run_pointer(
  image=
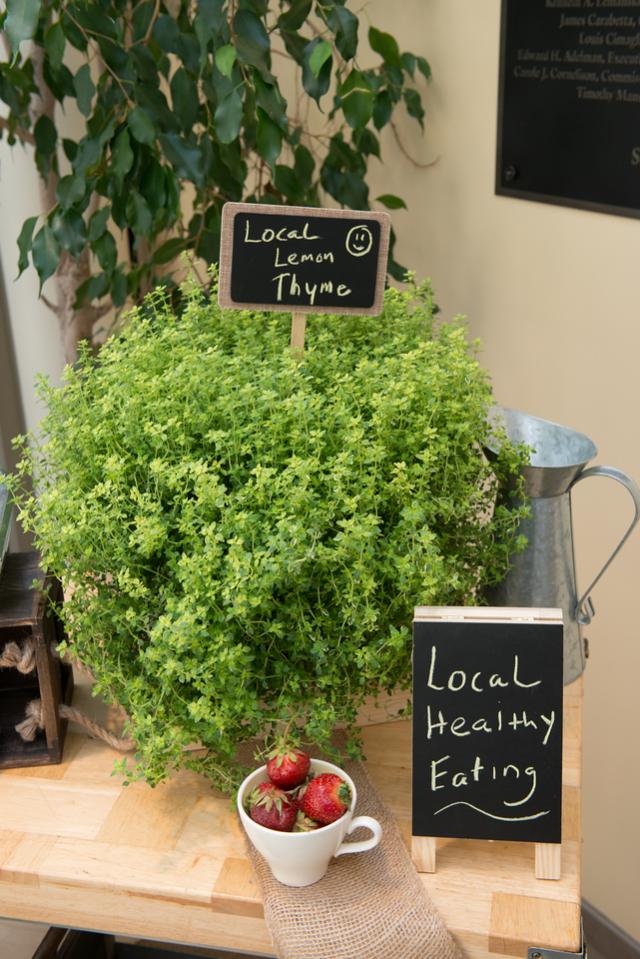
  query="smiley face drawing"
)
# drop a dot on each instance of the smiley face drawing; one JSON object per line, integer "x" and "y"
{"x": 359, "y": 240}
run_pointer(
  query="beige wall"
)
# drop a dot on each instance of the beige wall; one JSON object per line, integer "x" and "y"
{"x": 554, "y": 294}
{"x": 34, "y": 327}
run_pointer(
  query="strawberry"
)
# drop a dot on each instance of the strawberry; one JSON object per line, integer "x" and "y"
{"x": 287, "y": 767}
{"x": 326, "y": 798}
{"x": 270, "y": 807}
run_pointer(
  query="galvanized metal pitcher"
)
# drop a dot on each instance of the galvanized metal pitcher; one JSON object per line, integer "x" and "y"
{"x": 544, "y": 574}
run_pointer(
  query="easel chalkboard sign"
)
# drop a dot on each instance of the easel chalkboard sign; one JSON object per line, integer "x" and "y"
{"x": 487, "y": 729}
{"x": 302, "y": 260}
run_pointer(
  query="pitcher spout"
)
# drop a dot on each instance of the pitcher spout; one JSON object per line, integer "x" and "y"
{"x": 558, "y": 453}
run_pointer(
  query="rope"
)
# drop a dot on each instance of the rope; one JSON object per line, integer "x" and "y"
{"x": 29, "y": 727}
{"x": 23, "y": 659}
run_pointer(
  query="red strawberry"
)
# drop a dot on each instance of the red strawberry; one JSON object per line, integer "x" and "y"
{"x": 326, "y": 798}
{"x": 287, "y": 767}
{"x": 269, "y": 807}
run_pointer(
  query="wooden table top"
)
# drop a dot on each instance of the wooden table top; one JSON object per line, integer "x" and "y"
{"x": 79, "y": 849}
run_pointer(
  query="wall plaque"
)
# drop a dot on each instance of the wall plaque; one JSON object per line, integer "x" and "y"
{"x": 569, "y": 103}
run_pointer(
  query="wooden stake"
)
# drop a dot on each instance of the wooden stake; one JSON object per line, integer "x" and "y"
{"x": 548, "y": 860}
{"x": 298, "y": 326}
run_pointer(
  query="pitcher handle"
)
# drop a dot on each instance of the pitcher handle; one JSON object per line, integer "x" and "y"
{"x": 584, "y": 607}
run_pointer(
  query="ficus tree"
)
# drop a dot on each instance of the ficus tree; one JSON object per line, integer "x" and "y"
{"x": 182, "y": 109}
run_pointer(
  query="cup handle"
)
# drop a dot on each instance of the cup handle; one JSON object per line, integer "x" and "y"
{"x": 369, "y": 823}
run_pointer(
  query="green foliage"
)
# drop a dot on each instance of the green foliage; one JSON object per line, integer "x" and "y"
{"x": 247, "y": 535}
{"x": 190, "y": 99}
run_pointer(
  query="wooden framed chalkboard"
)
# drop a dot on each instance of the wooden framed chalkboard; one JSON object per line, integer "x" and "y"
{"x": 569, "y": 103}
{"x": 303, "y": 259}
{"x": 487, "y": 723}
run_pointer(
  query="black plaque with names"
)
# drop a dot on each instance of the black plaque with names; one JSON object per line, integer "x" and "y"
{"x": 487, "y": 730}
{"x": 569, "y": 103}
{"x": 303, "y": 259}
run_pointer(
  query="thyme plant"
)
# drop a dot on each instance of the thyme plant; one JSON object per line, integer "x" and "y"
{"x": 247, "y": 535}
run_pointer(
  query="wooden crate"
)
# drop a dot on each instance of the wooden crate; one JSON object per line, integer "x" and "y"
{"x": 26, "y": 614}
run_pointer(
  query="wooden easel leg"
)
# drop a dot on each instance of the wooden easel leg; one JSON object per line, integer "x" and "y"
{"x": 423, "y": 853}
{"x": 548, "y": 860}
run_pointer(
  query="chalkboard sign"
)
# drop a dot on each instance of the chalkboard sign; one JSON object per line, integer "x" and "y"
{"x": 303, "y": 259}
{"x": 487, "y": 724}
{"x": 569, "y": 114}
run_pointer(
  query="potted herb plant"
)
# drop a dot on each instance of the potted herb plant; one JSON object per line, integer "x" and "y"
{"x": 247, "y": 535}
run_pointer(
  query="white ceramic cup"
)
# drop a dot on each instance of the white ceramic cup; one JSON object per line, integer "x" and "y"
{"x": 302, "y": 858}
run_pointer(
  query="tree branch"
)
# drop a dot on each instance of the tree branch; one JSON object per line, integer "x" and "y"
{"x": 54, "y": 307}
{"x": 405, "y": 152}
{"x": 24, "y": 135}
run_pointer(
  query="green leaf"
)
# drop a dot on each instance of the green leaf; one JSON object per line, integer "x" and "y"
{"x": 304, "y": 165}
{"x": 386, "y": 46}
{"x": 141, "y": 18}
{"x": 225, "y": 59}
{"x": 392, "y": 202}
{"x": 45, "y": 253}
{"x": 141, "y": 126}
{"x": 287, "y": 183}
{"x": 345, "y": 25}
{"x": 70, "y": 148}
{"x": 424, "y": 67}
{"x": 92, "y": 289}
{"x": 54, "y": 44}
{"x": 24, "y": 243}
{"x": 97, "y": 22}
{"x": 356, "y": 100}
{"x": 184, "y": 97}
{"x": 46, "y": 135}
{"x": 316, "y": 87}
{"x": 212, "y": 14}
{"x": 70, "y": 190}
{"x": 186, "y": 158}
{"x": 121, "y": 155}
{"x": 138, "y": 214}
{"x": 228, "y": 117}
{"x": 169, "y": 250}
{"x": 382, "y": 108}
{"x": 367, "y": 142}
{"x": 166, "y": 33}
{"x": 74, "y": 35}
{"x": 408, "y": 63}
{"x": 70, "y": 231}
{"x": 85, "y": 90}
{"x": 210, "y": 25}
{"x": 21, "y": 21}
{"x": 106, "y": 250}
{"x": 252, "y": 41}
{"x": 119, "y": 289}
{"x": 413, "y": 104}
{"x": 98, "y": 223}
{"x": 295, "y": 16}
{"x": 271, "y": 100}
{"x": 319, "y": 56}
{"x": 268, "y": 138}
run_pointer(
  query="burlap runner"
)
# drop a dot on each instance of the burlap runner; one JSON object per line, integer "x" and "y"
{"x": 371, "y": 905}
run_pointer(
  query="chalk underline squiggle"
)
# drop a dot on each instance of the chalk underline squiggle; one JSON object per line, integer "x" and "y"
{"x": 461, "y": 802}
